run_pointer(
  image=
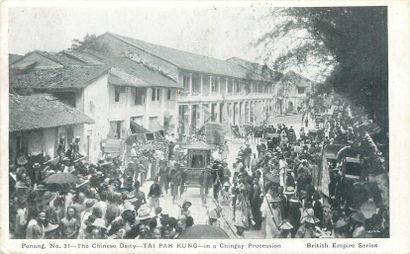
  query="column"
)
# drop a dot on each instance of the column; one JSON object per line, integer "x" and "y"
{"x": 210, "y": 85}
{"x": 189, "y": 118}
{"x": 219, "y": 85}
{"x": 233, "y": 86}
{"x": 218, "y": 112}
{"x": 162, "y": 95}
{"x": 201, "y": 110}
{"x": 190, "y": 84}
{"x": 147, "y": 107}
{"x": 227, "y": 83}
{"x": 202, "y": 85}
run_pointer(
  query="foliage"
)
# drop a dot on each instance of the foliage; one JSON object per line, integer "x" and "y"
{"x": 351, "y": 40}
{"x": 89, "y": 42}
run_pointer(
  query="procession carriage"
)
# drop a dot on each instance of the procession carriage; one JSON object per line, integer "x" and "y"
{"x": 197, "y": 159}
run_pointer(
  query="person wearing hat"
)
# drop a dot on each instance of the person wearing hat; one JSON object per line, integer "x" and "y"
{"x": 226, "y": 195}
{"x": 145, "y": 222}
{"x": 307, "y": 229}
{"x": 184, "y": 211}
{"x": 214, "y": 215}
{"x": 286, "y": 229}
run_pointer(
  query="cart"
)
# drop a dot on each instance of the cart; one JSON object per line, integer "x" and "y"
{"x": 197, "y": 160}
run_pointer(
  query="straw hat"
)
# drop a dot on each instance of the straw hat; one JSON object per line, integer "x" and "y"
{"x": 186, "y": 202}
{"x": 226, "y": 184}
{"x": 50, "y": 227}
{"x": 41, "y": 187}
{"x": 286, "y": 225}
{"x": 144, "y": 212}
{"x": 340, "y": 223}
{"x": 290, "y": 190}
{"x": 131, "y": 198}
{"x": 128, "y": 207}
{"x": 36, "y": 165}
{"x": 311, "y": 220}
{"x": 21, "y": 185}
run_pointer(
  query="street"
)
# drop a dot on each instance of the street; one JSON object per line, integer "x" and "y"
{"x": 192, "y": 194}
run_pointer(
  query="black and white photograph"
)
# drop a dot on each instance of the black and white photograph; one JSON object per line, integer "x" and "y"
{"x": 198, "y": 122}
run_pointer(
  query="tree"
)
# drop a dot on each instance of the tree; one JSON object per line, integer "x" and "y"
{"x": 89, "y": 42}
{"x": 350, "y": 40}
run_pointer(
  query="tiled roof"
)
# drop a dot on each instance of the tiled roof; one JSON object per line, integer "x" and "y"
{"x": 40, "y": 111}
{"x": 61, "y": 78}
{"x": 14, "y": 57}
{"x": 186, "y": 60}
{"x": 124, "y": 71}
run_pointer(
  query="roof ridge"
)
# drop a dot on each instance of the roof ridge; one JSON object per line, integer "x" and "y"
{"x": 159, "y": 45}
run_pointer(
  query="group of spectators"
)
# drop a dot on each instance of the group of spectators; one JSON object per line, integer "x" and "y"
{"x": 273, "y": 188}
{"x": 276, "y": 188}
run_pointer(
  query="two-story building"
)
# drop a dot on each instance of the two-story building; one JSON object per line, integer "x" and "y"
{"x": 116, "y": 92}
{"x": 213, "y": 89}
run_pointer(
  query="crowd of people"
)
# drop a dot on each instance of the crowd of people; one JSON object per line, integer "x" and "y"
{"x": 272, "y": 188}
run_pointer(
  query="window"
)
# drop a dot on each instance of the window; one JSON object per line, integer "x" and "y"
{"x": 169, "y": 94}
{"x": 117, "y": 94}
{"x": 214, "y": 85}
{"x": 140, "y": 95}
{"x": 237, "y": 87}
{"x": 230, "y": 87}
{"x": 301, "y": 90}
{"x": 185, "y": 82}
{"x": 155, "y": 94}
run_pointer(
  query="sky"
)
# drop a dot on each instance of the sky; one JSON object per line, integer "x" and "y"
{"x": 221, "y": 32}
{"x": 218, "y": 32}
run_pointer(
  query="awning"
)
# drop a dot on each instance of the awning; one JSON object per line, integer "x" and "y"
{"x": 136, "y": 128}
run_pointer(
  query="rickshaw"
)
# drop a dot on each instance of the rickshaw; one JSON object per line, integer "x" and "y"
{"x": 197, "y": 160}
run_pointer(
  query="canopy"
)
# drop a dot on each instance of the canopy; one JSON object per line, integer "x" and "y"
{"x": 198, "y": 145}
{"x": 61, "y": 178}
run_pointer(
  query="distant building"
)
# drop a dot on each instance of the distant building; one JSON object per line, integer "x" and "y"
{"x": 37, "y": 123}
{"x": 213, "y": 89}
{"x": 296, "y": 89}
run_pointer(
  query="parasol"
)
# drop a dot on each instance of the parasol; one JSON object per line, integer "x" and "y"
{"x": 204, "y": 232}
{"x": 61, "y": 178}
